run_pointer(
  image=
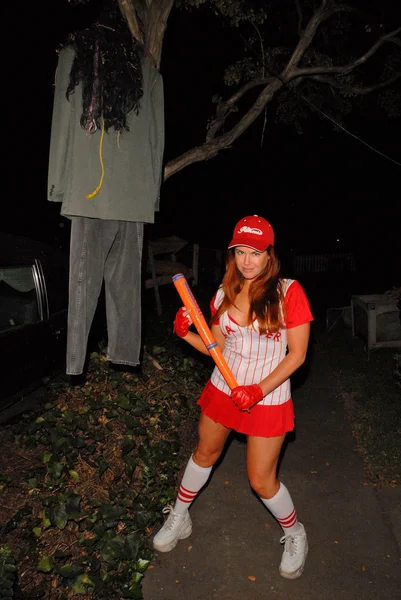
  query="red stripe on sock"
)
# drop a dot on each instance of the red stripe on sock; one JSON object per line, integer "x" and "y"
{"x": 184, "y": 499}
{"x": 186, "y": 496}
{"x": 187, "y": 491}
{"x": 288, "y": 521}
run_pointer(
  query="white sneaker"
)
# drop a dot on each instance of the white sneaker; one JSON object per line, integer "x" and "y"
{"x": 294, "y": 555}
{"x": 176, "y": 527}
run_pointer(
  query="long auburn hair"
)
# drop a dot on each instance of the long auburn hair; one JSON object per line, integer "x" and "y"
{"x": 266, "y": 293}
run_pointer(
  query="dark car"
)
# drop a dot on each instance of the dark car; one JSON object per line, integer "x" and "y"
{"x": 33, "y": 314}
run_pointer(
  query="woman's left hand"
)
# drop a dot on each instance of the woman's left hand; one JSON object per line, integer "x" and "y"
{"x": 245, "y": 396}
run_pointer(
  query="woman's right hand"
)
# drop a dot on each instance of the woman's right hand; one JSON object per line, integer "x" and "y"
{"x": 182, "y": 322}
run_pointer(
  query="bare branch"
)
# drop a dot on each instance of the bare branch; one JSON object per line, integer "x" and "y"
{"x": 147, "y": 21}
{"x": 212, "y": 148}
{"x": 309, "y": 71}
{"x": 213, "y": 145}
{"x": 224, "y": 109}
{"x": 272, "y": 85}
{"x": 300, "y": 16}
{"x": 158, "y": 13}
{"x": 319, "y": 16}
{"x": 128, "y": 11}
{"x": 354, "y": 89}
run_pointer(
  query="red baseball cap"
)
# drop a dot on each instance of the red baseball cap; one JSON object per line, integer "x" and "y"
{"x": 254, "y": 232}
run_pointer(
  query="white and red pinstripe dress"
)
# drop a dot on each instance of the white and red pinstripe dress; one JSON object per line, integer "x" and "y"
{"x": 251, "y": 357}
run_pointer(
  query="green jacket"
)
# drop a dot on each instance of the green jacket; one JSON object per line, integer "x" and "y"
{"x": 132, "y": 161}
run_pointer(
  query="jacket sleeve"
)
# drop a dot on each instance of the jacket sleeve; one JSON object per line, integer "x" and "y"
{"x": 158, "y": 131}
{"x": 61, "y": 129}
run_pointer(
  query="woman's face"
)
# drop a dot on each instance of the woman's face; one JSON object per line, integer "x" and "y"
{"x": 250, "y": 262}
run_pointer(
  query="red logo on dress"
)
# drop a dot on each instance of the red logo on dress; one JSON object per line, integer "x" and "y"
{"x": 276, "y": 337}
{"x": 229, "y": 330}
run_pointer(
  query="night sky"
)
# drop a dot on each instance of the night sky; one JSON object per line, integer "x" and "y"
{"x": 316, "y": 189}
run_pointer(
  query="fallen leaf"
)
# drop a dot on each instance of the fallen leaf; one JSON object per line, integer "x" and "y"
{"x": 267, "y": 525}
{"x": 327, "y": 464}
{"x": 151, "y": 567}
{"x": 252, "y": 577}
{"x": 177, "y": 581}
{"x": 226, "y": 482}
{"x": 313, "y": 472}
{"x": 363, "y": 568}
{"x": 336, "y": 542}
{"x": 189, "y": 548}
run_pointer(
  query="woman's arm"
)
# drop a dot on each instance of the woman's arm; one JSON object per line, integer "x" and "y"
{"x": 297, "y": 339}
{"x": 195, "y": 340}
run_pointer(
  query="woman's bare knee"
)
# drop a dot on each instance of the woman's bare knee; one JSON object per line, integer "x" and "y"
{"x": 265, "y": 486}
{"x": 206, "y": 457}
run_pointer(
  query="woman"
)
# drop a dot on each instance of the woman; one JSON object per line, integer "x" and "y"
{"x": 262, "y": 324}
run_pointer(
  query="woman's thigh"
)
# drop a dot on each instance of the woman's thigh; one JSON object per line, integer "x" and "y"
{"x": 262, "y": 459}
{"x": 211, "y": 440}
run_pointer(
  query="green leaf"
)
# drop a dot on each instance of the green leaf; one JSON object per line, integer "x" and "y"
{"x": 132, "y": 543}
{"x": 60, "y": 516}
{"x": 70, "y": 570}
{"x": 134, "y": 591}
{"x": 124, "y": 402}
{"x": 40, "y": 420}
{"x": 74, "y": 475}
{"x": 111, "y": 515}
{"x": 56, "y": 469}
{"x": 45, "y": 521}
{"x": 141, "y": 565}
{"x": 113, "y": 549}
{"x": 127, "y": 445}
{"x": 46, "y": 457}
{"x": 46, "y": 564}
{"x": 103, "y": 465}
{"x": 37, "y": 531}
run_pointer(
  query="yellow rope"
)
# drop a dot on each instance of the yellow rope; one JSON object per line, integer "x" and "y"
{"x": 93, "y": 194}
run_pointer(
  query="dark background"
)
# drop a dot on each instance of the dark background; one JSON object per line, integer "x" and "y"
{"x": 322, "y": 191}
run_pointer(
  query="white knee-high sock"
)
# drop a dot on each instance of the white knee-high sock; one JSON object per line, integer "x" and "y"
{"x": 193, "y": 480}
{"x": 282, "y": 508}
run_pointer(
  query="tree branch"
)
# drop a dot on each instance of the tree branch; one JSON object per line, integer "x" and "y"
{"x": 211, "y": 148}
{"x": 224, "y": 109}
{"x": 128, "y": 11}
{"x": 300, "y": 16}
{"x": 214, "y": 145}
{"x": 147, "y": 21}
{"x": 159, "y": 11}
{"x": 354, "y": 89}
{"x": 344, "y": 69}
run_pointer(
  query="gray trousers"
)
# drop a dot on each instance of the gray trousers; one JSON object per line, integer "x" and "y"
{"x": 110, "y": 251}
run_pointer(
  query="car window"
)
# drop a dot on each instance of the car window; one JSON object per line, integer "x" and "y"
{"x": 18, "y": 297}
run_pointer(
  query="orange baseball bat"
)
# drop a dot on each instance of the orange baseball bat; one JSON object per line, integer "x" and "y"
{"x": 202, "y": 328}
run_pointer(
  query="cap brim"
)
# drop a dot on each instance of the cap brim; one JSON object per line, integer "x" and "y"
{"x": 247, "y": 244}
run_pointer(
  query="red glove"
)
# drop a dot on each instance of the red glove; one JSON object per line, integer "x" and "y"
{"x": 182, "y": 323}
{"x": 245, "y": 396}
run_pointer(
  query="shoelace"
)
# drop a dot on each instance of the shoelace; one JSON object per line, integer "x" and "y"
{"x": 171, "y": 517}
{"x": 291, "y": 544}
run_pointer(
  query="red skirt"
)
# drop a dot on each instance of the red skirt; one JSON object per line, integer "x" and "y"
{"x": 261, "y": 421}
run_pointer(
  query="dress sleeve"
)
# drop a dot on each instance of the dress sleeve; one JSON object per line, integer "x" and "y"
{"x": 297, "y": 307}
{"x": 214, "y": 305}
